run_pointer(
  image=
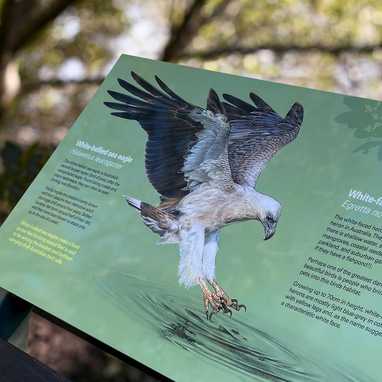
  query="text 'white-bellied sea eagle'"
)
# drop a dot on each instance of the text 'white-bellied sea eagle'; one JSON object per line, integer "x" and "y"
{"x": 204, "y": 162}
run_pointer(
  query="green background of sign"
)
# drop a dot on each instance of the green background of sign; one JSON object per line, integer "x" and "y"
{"x": 310, "y": 177}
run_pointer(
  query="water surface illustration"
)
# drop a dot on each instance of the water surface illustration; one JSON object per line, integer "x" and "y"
{"x": 237, "y": 345}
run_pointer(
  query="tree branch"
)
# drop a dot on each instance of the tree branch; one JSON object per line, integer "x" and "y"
{"x": 38, "y": 21}
{"x": 183, "y": 33}
{"x": 21, "y": 21}
{"x": 217, "y": 11}
{"x": 5, "y": 24}
{"x": 214, "y": 53}
{"x": 30, "y": 87}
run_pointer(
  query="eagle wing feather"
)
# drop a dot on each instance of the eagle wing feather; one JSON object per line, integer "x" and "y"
{"x": 257, "y": 133}
{"x": 226, "y": 142}
{"x": 166, "y": 118}
{"x": 182, "y": 137}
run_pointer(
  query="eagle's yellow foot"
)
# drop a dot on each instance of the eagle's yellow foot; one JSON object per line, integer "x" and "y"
{"x": 227, "y": 301}
{"x": 212, "y": 300}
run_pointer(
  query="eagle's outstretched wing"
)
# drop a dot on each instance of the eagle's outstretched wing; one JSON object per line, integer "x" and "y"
{"x": 174, "y": 128}
{"x": 257, "y": 132}
{"x": 189, "y": 145}
{"x": 171, "y": 130}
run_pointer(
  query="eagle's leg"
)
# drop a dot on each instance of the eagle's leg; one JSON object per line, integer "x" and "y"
{"x": 226, "y": 300}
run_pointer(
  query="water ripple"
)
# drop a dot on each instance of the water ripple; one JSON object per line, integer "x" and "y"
{"x": 234, "y": 343}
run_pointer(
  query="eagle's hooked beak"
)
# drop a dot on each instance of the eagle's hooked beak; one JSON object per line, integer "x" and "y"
{"x": 269, "y": 228}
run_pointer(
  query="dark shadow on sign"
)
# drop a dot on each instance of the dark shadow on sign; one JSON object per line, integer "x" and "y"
{"x": 365, "y": 119}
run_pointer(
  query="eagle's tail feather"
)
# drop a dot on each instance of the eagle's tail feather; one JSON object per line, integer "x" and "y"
{"x": 133, "y": 202}
{"x": 158, "y": 220}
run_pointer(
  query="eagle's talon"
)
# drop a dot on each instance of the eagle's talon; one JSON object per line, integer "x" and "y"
{"x": 218, "y": 301}
{"x": 242, "y": 306}
{"x": 235, "y": 305}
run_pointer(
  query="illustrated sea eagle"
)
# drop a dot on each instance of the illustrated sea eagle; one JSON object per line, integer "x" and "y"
{"x": 204, "y": 162}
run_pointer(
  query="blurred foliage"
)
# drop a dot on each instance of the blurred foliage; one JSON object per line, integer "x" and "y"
{"x": 326, "y": 44}
{"x": 81, "y": 33}
{"x": 20, "y": 167}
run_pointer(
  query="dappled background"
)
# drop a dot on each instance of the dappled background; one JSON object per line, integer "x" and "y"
{"x": 54, "y": 54}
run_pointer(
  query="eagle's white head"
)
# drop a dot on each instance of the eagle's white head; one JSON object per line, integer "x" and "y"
{"x": 268, "y": 211}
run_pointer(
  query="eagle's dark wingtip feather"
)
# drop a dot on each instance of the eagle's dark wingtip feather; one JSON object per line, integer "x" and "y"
{"x": 175, "y": 97}
{"x": 145, "y": 85}
{"x": 239, "y": 103}
{"x": 136, "y": 76}
{"x": 110, "y": 92}
{"x": 259, "y": 102}
{"x": 165, "y": 88}
{"x": 158, "y": 80}
{"x": 296, "y": 113}
{"x": 113, "y": 93}
{"x": 121, "y": 114}
{"x": 122, "y": 82}
{"x": 255, "y": 98}
{"x": 109, "y": 104}
{"x": 213, "y": 102}
{"x": 127, "y": 85}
